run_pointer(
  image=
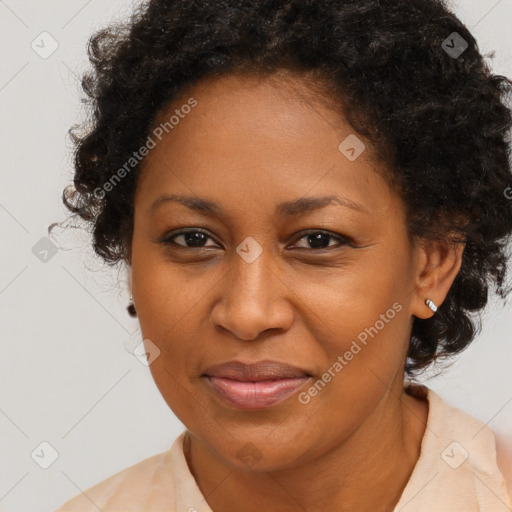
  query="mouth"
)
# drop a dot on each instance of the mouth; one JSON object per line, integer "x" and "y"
{"x": 255, "y": 386}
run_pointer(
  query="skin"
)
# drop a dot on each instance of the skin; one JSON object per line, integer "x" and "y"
{"x": 249, "y": 144}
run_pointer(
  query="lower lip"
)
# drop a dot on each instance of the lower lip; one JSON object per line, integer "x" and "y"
{"x": 255, "y": 395}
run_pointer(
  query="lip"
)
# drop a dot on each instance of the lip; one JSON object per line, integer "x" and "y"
{"x": 255, "y": 385}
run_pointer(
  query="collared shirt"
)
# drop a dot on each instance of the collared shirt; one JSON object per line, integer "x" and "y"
{"x": 457, "y": 471}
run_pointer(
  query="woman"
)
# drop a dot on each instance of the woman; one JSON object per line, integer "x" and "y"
{"x": 310, "y": 198}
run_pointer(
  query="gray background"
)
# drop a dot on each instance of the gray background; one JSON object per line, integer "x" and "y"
{"x": 67, "y": 376}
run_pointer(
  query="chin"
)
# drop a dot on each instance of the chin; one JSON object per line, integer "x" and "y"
{"x": 259, "y": 451}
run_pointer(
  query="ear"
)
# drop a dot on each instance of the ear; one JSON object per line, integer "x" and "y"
{"x": 438, "y": 263}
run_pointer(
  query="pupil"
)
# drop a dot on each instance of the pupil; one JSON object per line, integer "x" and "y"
{"x": 313, "y": 239}
{"x": 196, "y": 238}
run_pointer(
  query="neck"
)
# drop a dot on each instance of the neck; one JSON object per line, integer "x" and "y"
{"x": 368, "y": 471}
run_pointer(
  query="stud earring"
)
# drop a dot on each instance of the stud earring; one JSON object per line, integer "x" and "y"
{"x": 431, "y": 305}
{"x": 131, "y": 308}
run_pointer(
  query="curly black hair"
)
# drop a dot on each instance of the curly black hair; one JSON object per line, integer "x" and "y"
{"x": 438, "y": 119}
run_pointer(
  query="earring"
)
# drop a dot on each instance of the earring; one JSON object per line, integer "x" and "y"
{"x": 131, "y": 308}
{"x": 431, "y": 305}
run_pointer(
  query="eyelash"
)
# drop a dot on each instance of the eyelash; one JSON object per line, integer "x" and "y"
{"x": 342, "y": 240}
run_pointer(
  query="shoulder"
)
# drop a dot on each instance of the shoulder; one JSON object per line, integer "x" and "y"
{"x": 133, "y": 488}
{"x": 485, "y": 450}
{"x": 458, "y": 465}
{"x": 504, "y": 458}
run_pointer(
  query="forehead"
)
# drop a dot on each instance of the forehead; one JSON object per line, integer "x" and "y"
{"x": 253, "y": 137}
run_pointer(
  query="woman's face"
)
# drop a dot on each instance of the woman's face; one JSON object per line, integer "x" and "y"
{"x": 256, "y": 286}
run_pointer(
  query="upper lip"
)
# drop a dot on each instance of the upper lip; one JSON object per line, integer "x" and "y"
{"x": 261, "y": 370}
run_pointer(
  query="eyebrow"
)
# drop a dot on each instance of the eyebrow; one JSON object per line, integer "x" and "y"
{"x": 290, "y": 208}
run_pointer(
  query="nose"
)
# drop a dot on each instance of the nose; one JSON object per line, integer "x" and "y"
{"x": 254, "y": 298}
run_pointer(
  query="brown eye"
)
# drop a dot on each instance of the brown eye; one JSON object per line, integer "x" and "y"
{"x": 322, "y": 239}
{"x": 197, "y": 238}
{"x": 192, "y": 239}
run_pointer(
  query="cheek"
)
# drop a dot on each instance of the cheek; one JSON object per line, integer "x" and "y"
{"x": 370, "y": 289}
{"x": 363, "y": 313}
{"x": 362, "y": 363}
{"x": 184, "y": 399}
{"x": 166, "y": 294}
{"x": 168, "y": 306}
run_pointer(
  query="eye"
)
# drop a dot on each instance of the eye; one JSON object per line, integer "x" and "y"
{"x": 195, "y": 237}
{"x": 320, "y": 239}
